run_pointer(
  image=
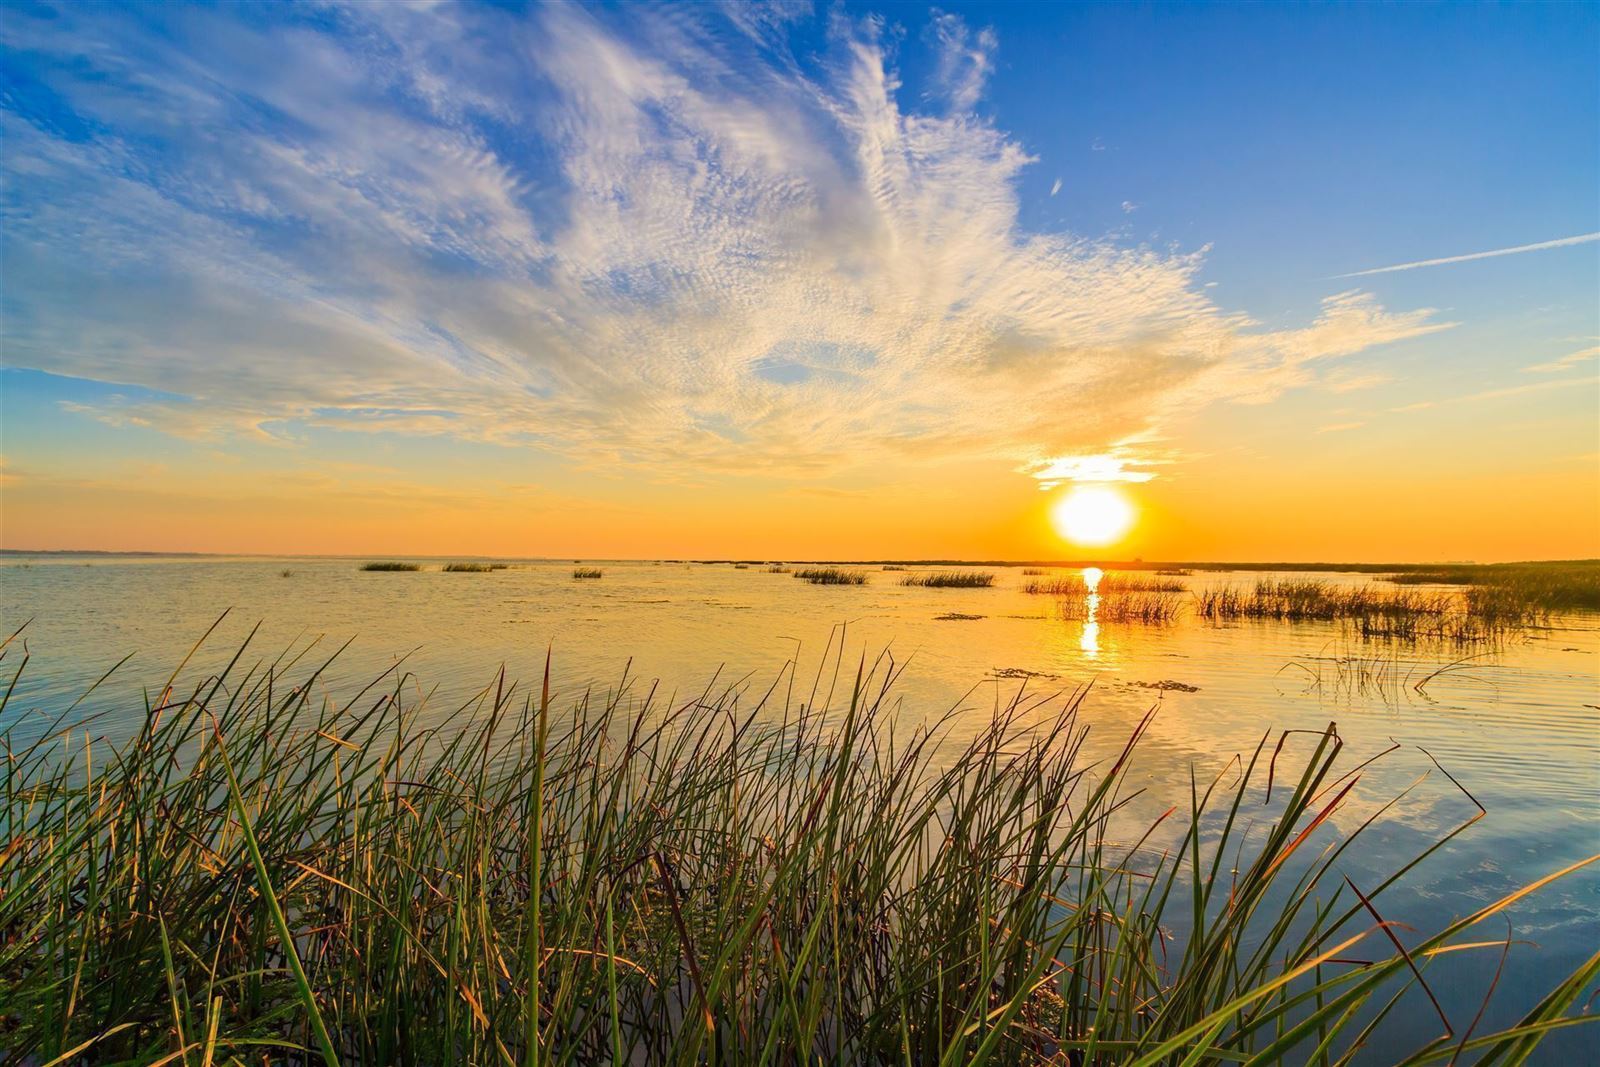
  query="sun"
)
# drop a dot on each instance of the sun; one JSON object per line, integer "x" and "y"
{"x": 1092, "y": 515}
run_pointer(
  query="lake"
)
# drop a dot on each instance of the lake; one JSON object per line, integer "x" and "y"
{"x": 1515, "y": 722}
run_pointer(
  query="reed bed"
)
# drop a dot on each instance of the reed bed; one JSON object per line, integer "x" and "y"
{"x": 1533, "y": 587}
{"x": 1069, "y": 586}
{"x": 950, "y": 580}
{"x": 777, "y": 568}
{"x": 473, "y": 568}
{"x": 831, "y": 576}
{"x": 1137, "y": 583}
{"x": 391, "y": 566}
{"x": 1150, "y": 608}
{"x": 588, "y": 572}
{"x": 1373, "y": 612}
{"x": 261, "y": 876}
{"x": 1029, "y": 572}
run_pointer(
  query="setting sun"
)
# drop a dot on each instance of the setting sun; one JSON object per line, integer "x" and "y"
{"x": 1093, "y": 516}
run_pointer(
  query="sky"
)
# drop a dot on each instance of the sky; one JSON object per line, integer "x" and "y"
{"x": 801, "y": 282}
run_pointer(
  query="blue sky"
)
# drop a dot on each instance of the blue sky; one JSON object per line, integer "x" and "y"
{"x": 762, "y": 247}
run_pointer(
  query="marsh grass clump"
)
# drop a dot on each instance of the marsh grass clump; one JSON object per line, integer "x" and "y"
{"x": 1070, "y": 586}
{"x": 1179, "y": 572}
{"x": 1033, "y": 571}
{"x": 893, "y": 567}
{"x": 777, "y": 568}
{"x": 831, "y": 576}
{"x": 950, "y": 580}
{"x": 1136, "y": 583}
{"x": 264, "y": 870}
{"x": 1532, "y": 587}
{"x": 391, "y": 566}
{"x": 588, "y": 572}
{"x": 471, "y": 568}
{"x": 1151, "y": 607}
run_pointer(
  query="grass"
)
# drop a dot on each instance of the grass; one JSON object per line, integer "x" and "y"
{"x": 262, "y": 876}
{"x": 1546, "y": 587}
{"x": 1072, "y": 585}
{"x": 777, "y": 568}
{"x": 950, "y": 580}
{"x": 588, "y": 572}
{"x": 473, "y": 568}
{"x": 1481, "y": 613}
{"x": 1133, "y": 583}
{"x": 391, "y": 566}
{"x": 831, "y": 576}
{"x": 1033, "y": 571}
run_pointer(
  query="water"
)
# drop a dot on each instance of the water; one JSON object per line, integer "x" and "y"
{"x": 1518, "y": 725}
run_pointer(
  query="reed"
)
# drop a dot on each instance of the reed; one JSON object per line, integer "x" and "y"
{"x": 950, "y": 580}
{"x": 777, "y": 568}
{"x": 265, "y": 875}
{"x": 391, "y": 566}
{"x": 1137, "y": 583}
{"x": 1033, "y": 571}
{"x": 1072, "y": 585}
{"x": 588, "y": 572}
{"x": 471, "y": 568}
{"x": 831, "y": 576}
{"x": 1539, "y": 587}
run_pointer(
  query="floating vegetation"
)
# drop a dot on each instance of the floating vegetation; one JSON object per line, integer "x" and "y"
{"x": 956, "y": 616}
{"x": 831, "y": 576}
{"x": 588, "y": 572}
{"x": 950, "y": 580}
{"x": 1167, "y": 685}
{"x": 472, "y": 568}
{"x": 390, "y": 566}
{"x": 1018, "y": 672}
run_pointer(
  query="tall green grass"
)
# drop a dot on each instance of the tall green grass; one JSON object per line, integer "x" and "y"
{"x": 261, "y": 875}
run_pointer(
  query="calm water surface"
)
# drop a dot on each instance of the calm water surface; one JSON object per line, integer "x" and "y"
{"x": 1517, "y": 725}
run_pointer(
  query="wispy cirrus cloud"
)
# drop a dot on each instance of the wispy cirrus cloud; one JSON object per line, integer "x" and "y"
{"x": 675, "y": 242}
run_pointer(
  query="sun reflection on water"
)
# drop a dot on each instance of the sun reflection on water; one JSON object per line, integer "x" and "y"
{"x": 1089, "y": 640}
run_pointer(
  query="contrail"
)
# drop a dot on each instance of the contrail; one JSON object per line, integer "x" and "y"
{"x": 1582, "y": 238}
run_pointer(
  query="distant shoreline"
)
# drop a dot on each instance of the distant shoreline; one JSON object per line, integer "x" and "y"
{"x": 1120, "y": 564}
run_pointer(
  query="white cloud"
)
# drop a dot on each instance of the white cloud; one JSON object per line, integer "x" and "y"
{"x": 1566, "y": 362}
{"x": 669, "y": 244}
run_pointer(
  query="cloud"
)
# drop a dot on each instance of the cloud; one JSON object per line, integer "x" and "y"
{"x": 1572, "y": 359}
{"x": 1499, "y": 394}
{"x": 1340, "y": 427}
{"x": 1562, "y": 242}
{"x": 671, "y": 243}
{"x": 1105, "y": 467}
{"x": 1055, "y": 187}
{"x": 965, "y": 59}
